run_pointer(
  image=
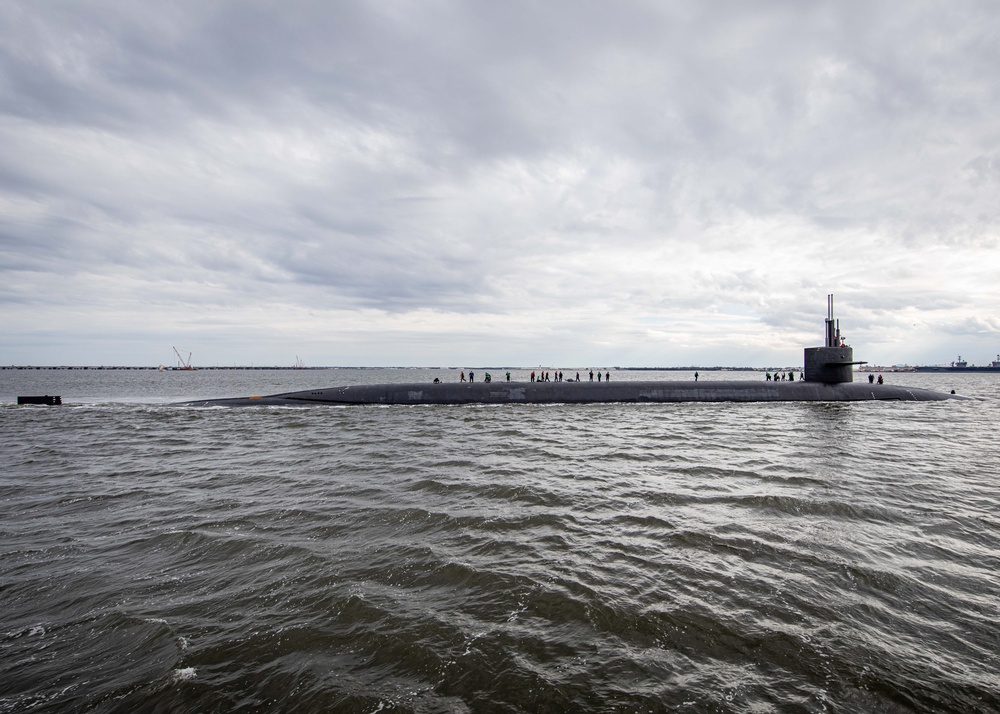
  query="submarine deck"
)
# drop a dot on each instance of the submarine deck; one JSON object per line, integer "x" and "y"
{"x": 586, "y": 393}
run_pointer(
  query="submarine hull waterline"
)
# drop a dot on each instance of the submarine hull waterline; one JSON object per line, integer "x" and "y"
{"x": 586, "y": 393}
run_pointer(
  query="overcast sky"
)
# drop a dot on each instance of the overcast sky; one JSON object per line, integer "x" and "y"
{"x": 556, "y": 182}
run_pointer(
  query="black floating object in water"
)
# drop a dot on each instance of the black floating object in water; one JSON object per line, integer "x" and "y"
{"x": 50, "y": 401}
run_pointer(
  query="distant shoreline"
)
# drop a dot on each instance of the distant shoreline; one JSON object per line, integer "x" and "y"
{"x": 157, "y": 369}
{"x": 779, "y": 370}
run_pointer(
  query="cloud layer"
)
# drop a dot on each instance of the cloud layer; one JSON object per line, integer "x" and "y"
{"x": 446, "y": 183}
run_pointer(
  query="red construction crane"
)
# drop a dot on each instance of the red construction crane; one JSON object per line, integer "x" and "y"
{"x": 181, "y": 364}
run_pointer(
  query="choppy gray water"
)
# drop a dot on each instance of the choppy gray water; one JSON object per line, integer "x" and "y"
{"x": 696, "y": 557}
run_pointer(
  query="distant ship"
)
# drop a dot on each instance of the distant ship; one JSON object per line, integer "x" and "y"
{"x": 960, "y": 365}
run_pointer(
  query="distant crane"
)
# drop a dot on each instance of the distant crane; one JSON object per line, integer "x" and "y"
{"x": 299, "y": 363}
{"x": 181, "y": 364}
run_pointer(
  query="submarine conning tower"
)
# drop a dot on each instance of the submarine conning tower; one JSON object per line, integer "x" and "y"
{"x": 833, "y": 363}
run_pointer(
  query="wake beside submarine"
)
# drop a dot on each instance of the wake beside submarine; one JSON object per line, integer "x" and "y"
{"x": 829, "y": 377}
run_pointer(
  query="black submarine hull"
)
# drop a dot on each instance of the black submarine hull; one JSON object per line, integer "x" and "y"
{"x": 586, "y": 393}
{"x": 829, "y": 377}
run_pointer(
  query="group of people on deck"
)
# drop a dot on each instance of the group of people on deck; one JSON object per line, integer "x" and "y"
{"x": 544, "y": 376}
{"x": 487, "y": 377}
{"x": 559, "y": 377}
{"x": 781, "y": 376}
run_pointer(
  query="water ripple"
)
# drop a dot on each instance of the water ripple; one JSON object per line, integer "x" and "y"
{"x": 745, "y": 558}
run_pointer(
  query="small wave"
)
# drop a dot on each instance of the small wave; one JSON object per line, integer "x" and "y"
{"x": 183, "y": 675}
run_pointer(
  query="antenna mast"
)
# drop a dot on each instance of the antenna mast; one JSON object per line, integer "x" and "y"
{"x": 832, "y": 326}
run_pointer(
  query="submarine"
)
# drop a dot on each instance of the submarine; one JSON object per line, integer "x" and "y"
{"x": 828, "y": 377}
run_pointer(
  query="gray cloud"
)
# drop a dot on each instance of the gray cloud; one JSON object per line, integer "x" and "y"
{"x": 613, "y": 169}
